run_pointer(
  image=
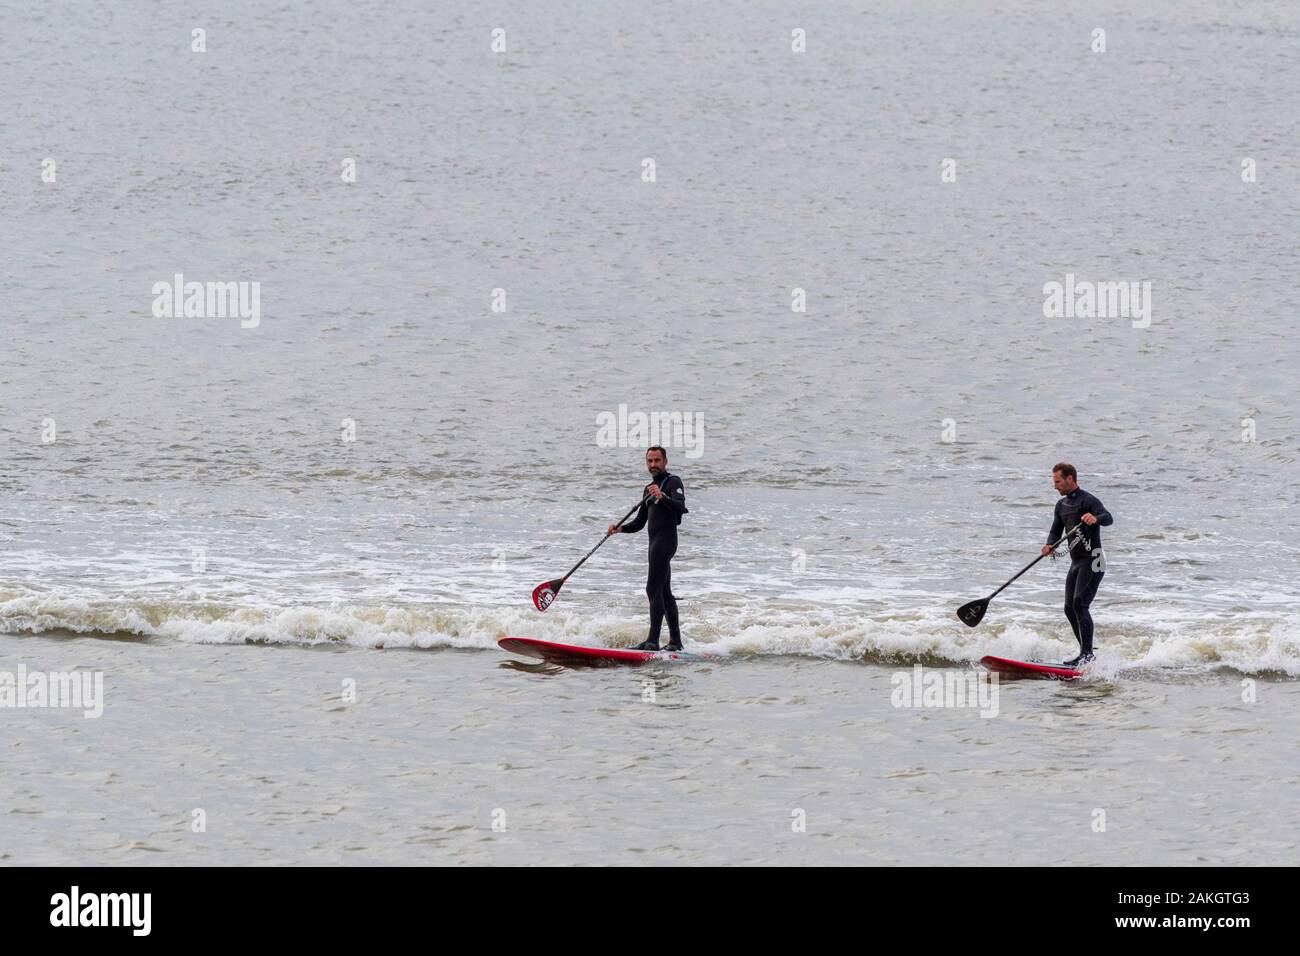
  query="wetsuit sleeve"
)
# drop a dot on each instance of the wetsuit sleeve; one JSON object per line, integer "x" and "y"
{"x": 674, "y": 498}
{"x": 1057, "y": 529}
{"x": 1098, "y": 510}
{"x": 637, "y": 523}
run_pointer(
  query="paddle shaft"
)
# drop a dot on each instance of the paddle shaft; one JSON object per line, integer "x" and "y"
{"x": 607, "y": 537}
{"x": 1035, "y": 561}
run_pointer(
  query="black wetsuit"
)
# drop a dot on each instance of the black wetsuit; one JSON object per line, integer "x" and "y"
{"x": 663, "y": 516}
{"x": 1087, "y": 562}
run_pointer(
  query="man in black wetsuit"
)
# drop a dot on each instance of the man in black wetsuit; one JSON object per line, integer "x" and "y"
{"x": 1087, "y": 562}
{"x": 664, "y": 513}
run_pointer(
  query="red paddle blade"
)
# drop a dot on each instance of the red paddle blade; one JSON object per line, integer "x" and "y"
{"x": 544, "y": 594}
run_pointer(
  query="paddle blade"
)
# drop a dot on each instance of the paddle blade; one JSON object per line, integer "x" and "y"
{"x": 544, "y": 594}
{"x": 972, "y": 613}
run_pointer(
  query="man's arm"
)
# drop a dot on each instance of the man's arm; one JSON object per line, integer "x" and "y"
{"x": 1058, "y": 529}
{"x": 637, "y": 523}
{"x": 674, "y": 497}
{"x": 1099, "y": 511}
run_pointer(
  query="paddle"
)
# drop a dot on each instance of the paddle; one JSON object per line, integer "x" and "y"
{"x": 545, "y": 593}
{"x": 972, "y": 613}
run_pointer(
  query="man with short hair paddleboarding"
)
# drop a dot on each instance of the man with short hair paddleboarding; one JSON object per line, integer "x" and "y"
{"x": 1087, "y": 562}
{"x": 662, "y": 510}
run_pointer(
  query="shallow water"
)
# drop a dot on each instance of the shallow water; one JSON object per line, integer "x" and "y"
{"x": 580, "y": 767}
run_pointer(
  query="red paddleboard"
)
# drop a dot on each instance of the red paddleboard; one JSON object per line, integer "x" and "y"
{"x": 578, "y": 654}
{"x": 1004, "y": 665}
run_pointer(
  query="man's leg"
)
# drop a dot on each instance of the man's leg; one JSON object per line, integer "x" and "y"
{"x": 1085, "y": 589}
{"x": 1071, "y": 579}
{"x": 655, "y": 585}
{"x": 670, "y": 612}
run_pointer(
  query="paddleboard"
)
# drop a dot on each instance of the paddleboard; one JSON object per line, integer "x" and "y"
{"x": 578, "y": 654}
{"x": 1004, "y": 665}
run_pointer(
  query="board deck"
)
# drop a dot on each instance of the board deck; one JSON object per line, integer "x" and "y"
{"x": 1013, "y": 668}
{"x": 580, "y": 654}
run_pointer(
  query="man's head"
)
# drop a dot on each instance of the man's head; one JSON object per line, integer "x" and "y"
{"x": 1064, "y": 478}
{"x": 656, "y": 460}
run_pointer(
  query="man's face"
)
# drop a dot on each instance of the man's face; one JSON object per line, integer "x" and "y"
{"x": 654, "y": 462}
{"x": 1063, "y": 483}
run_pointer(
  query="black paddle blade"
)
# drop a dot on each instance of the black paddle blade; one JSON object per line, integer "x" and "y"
{"x": 544, "y": 594}
{"x": 972, "y": 613}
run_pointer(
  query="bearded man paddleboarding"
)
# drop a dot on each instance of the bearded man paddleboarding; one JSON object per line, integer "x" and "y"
{"x": 662, "y": 511}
